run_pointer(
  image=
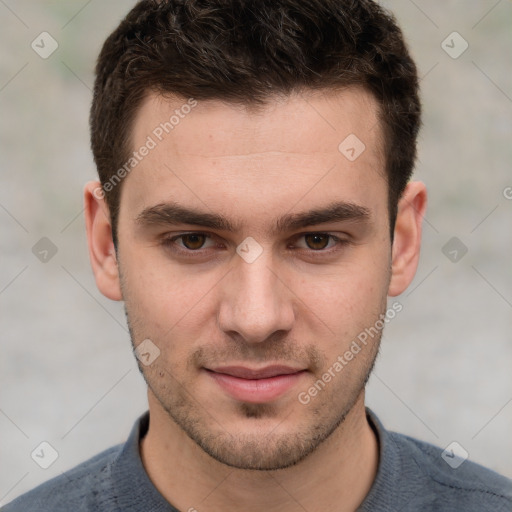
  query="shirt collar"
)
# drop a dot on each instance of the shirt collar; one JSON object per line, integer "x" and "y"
{"x": 135, "y": 491}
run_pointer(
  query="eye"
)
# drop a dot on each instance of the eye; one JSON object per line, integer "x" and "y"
{"x": 319, "y": 241}
{"x": 191, "y": 242}
{"x": 195, "y": 244}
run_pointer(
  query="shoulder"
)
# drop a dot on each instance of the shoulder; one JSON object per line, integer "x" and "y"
{"x": 84, "y": 487}
{"x": 451, "y": 480}
{"x": 416, "y": 475}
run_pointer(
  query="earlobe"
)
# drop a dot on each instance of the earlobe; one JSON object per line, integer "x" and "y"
{"x": 102, "y": 252}
{"x": 407, "y": 238}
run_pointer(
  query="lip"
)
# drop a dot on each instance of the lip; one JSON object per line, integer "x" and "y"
{"x": 256, "y": 385}
{"x": 243, "y": 372}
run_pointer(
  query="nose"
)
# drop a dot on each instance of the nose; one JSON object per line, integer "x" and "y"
{"x": 256, "y": 303}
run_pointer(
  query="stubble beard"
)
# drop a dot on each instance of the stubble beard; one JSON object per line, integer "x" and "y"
{"x": 261, "y": 449}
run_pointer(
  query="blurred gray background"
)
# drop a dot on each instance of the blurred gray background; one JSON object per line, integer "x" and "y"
{"x": 68, "y": 376}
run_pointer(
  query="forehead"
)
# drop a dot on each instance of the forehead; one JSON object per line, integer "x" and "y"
{"x": 331, "y": 115}
{"x": 214, "y": 153}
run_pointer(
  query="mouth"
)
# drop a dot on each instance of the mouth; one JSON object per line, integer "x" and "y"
{"x": 256, "y": 385}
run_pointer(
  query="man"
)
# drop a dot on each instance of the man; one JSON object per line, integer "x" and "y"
{"x": 254, "y": 213}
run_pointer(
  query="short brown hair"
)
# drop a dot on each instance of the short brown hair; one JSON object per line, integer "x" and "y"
{"x": 247, "y": 51}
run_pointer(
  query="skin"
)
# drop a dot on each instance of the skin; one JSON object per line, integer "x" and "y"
{"x": 300, "y": 303}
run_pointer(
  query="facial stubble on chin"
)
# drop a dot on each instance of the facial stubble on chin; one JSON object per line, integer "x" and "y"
{"x": 262, "y": 451}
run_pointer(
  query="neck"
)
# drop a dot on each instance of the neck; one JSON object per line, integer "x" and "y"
{"x": 336, "y": 477}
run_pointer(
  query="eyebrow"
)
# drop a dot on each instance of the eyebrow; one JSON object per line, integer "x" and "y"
{"x": 172, "y": 213}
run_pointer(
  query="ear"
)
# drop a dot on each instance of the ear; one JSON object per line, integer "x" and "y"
{"x": 99, "y": 238}
{"x": 407, "y": 239}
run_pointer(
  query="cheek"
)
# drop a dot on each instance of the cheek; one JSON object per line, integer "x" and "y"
{"x": 349, "y": 287}
{"x": 345, "y": 302}
{"x": 164, "y": 297}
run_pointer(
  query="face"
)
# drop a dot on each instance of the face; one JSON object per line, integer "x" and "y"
{"x": 249, "y": 242}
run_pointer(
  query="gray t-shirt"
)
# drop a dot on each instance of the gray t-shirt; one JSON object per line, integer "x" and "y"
{"x": 412, "y": 476}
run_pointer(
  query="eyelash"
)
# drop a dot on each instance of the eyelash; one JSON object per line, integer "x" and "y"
{"x": 169, "y": 243}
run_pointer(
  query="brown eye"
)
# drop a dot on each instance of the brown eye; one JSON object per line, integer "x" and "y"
{"x": 189, "y": 245}
{"x": 193, "y": 241}
{"x": 317, "y": 241}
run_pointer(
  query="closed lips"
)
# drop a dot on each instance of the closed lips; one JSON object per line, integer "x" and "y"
{"x": 255, "y": 374}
